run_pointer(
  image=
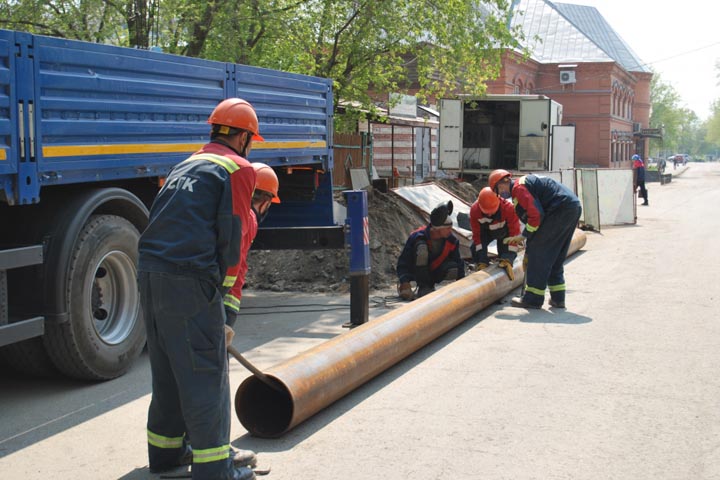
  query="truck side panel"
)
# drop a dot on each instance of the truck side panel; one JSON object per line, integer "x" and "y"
{"x": 293, "y": 111}
{"x": 98, "y": 113}
{"x": 8, "y": 123}
{"x": 105, "y": 112}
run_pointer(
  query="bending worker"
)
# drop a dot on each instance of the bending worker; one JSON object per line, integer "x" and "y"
{"x": 550, "y": 212}
{"x": 494, "y": 218}
{"x": 431, "y": 255}
{"x": 190, "y": 255}
{"x": 265, "y": 194}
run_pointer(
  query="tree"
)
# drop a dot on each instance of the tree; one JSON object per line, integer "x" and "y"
{"x": 666, "y": 112}
{"x": 365, "y": 46}
{"x": 713, "y": 128}
{"x": 368, "y": 47}
{"x": 89, "y": 20}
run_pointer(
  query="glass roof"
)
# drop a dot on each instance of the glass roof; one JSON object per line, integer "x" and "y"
{"x": 568, "y": 33}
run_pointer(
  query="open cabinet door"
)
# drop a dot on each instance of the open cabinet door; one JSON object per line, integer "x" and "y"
{"x": 451, "y": 131}
{"x": 587, "y": 188}
{"x": 563, "y": 148}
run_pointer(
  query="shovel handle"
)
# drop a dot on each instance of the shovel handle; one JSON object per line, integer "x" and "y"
{"x": 270, "y": 382}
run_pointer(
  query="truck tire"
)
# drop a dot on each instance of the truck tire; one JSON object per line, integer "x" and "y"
{"x": 105, "y": 333}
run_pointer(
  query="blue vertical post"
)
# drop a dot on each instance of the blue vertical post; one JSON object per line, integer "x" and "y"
{"x": 357, "y": 235}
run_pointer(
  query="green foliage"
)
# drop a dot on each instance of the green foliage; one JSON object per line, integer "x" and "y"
{"x": 712, "y": 129}
{"x": 666, "y": 112}
{"x": 683, "y": 132}
{"x": 368, "y": 47}
{"x": 89, "y": 20}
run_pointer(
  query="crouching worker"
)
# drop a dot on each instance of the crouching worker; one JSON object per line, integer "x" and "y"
{"x": 494, "y": 218}
{"x": 430, "y": 256}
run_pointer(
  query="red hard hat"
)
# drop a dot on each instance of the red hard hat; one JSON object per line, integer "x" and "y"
{"x": 237, "y": 113}
{"x": 488, "y": 200}
{"x": 266, "y": 180}
{"x": 496, "y": 176}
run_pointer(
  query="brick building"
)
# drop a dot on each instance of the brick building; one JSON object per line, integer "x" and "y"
{"x": 578, "y": 61}
{"x": 582, "y": 63}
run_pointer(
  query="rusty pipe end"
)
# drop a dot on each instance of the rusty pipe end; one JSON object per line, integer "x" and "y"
{"x": 264, "y": 411}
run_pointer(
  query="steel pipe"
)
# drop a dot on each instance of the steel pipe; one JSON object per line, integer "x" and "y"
{"x": 321, "y": 375}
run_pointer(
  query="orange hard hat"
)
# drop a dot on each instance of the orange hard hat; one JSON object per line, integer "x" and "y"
{"x": 489, "y": 201}
{"x": 496, "y": 176}
{"x": 266, "y": 180}
{"x": 237, "y": 113}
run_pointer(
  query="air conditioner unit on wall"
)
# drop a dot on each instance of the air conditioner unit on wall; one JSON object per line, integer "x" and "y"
{"x": 567, "y": 76}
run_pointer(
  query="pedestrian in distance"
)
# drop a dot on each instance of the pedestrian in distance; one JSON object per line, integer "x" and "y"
{"x": 494, "y": 218}
{"x": 639, "y": 177}
{"x": 550, "y": 212}
{"x": 431, "y": 255}
{"x": 190, "y": 255}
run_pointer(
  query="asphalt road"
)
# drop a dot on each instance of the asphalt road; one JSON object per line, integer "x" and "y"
{"x": 622, "y": 385}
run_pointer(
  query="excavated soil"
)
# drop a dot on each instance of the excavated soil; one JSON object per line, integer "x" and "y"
{"x": 391, "y": 220}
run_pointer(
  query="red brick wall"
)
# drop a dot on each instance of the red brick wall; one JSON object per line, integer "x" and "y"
{"x": 588, "y": 104}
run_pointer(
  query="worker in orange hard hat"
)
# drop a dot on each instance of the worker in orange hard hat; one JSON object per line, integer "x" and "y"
{"x": 431, "y": 255}
{"x": 265, "y": 194}
{"x": 496, "y": 176}
{"x": 191, "y": 254}
{"x": 493, "y": 218}
{"x": 550, "y": 211}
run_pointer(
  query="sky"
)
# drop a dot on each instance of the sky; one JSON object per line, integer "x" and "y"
{"x": 678, "y": 40}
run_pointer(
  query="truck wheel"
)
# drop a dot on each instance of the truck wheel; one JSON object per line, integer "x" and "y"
{"x": 105, "y": 333}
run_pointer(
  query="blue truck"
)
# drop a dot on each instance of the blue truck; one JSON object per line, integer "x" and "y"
{"x": 87, "y": 133}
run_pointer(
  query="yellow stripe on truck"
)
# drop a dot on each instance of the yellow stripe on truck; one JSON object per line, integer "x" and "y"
{"x": 3, "y": 155}
{"x": 126, "y": 148}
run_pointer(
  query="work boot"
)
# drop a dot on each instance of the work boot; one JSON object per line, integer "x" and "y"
{"x": 557, "y": 303}
{"x": 243, "y": 458}
{"x": 644, "y": 203}
{"x": 240, "y": 458}
{"x": 242, "y": 473}
{"x": 405, "y": 291}
{"x": 424, "y": 289}
{"x": 520, "y": 303}
{"x": 184, "y": 459}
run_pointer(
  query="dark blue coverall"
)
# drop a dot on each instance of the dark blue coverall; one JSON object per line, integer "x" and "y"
{"x": 189, "y": 256}
{"x": 551, "y": 212}
{"x": 428, "y": 262}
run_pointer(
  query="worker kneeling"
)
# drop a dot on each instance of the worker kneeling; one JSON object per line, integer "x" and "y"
{"x": 494, "y": 218}
{"x": 430, "y": 256}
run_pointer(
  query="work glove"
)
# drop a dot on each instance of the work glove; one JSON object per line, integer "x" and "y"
{"x": 229, "y": 335}
{"x": 507, "y": 265}
{"x": 405, "y": 291}
{"x": 481, "y": 266}
{"x": 516, "y": 240}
